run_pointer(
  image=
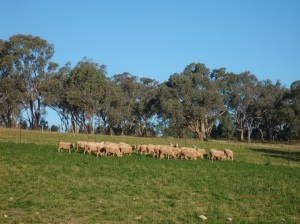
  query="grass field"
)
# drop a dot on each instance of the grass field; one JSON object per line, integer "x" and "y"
{"x": 40, "y": 185}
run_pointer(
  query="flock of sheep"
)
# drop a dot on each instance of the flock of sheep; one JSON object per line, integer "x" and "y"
{"x": 158, "y": 151}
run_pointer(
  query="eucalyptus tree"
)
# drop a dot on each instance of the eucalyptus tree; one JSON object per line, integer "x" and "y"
{"x": 271, "y": 105}
{"x": 32, "y": 65}
{"x": 83, "y": 92}
{"x": 191, "y": 100}
{"x": 294, "y": 116}
{"x": 56, "y": 99}
{"x": 129, "y": 87}
{"x": 146, "y": 107}
{"x": 243, "y": 95}
{"x": 113, "y": 110}
{"x": 10, "y": 94}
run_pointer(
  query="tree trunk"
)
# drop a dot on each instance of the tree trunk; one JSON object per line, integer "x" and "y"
{"x": 201, "y": 136}
{"x": 198, "y": 127}
{"x": 249, "y": 136}
{"x": 90, "y": 128}
{"x": 242, "y": 135}
{"x": 261, "y": 134}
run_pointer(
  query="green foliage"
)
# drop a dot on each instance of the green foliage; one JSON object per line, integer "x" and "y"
{"x": 191, "y": 100}
{"x": 191, "y": 103}
{"x": 32, "y": 67}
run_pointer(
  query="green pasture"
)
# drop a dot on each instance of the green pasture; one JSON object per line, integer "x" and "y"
{"x": 40, "y": 185}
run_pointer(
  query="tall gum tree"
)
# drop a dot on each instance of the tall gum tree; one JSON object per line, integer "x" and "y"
{"x": 191, "y": 100}
{"x": 10, "y": 94}
{"x": 32, "y": 65}
{"x": 84, "y": 91}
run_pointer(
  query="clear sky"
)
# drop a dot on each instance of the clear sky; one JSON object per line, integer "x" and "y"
{"x": 156, "y": 38}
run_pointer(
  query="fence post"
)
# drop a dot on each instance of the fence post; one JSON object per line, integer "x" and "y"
{"x": 20, "y": 134}
{"x": 288, "y": 155}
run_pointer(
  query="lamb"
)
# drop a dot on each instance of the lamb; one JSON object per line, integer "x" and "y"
{"x": 216, "y": 154}
{"x": 229, "y": 154}
{"x": 64, "y": 146}
{"x": 125, "y": 148}
{"x": 112, "y": 148}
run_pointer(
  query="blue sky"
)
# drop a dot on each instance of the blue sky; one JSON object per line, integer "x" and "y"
{"x": 160, "y": 37}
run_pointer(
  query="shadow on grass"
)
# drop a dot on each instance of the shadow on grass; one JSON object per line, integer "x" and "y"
{"x": 288, "y": 155}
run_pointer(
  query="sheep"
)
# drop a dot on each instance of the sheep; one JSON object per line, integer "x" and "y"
{"x": 125, "y": 148}
{"x": 142, "y": 149}
{"x": 166, "y": 151}
{"x": 202, "y": 153}
{"x": 190, "y": 153}
{"x": 151, "y": 150}
{"x": 64, "y": 146}
{"x": 177, "y": 151}
{"x": 80, "y": 145}
{"x": 156, "y": 150}
{"x": 112, "y": 148}
{"x": 174, "y": 145}
{"x": 94, "y": 147}
{"x": 229, "y": 154}
{"x": 216, "y": 154}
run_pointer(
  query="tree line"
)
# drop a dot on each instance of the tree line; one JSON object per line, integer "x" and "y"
{"x": 197, "y": 102}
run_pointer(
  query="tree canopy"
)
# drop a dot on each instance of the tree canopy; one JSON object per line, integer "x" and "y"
{"x": 198, "y": 102}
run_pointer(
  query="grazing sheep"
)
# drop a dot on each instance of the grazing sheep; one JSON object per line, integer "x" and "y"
{"x": 190, "y": 153}
{"x": 64, "y": 146}
{"x": 94, "y": 147}
{"x": 216, "y": 154}
{"x": 112, "y": 148}
{"x": 177, "y": 151}
{"x": 202, "y": 153}
{"x": 142, "y": 149}
{"x": 174, "y": 145}
{"x": 80, "y": 145}
{"x": 166, "y": 151}
{"x": 229, "y": 154}
{"x": 156, "y": 150}
{"x": 125, "y": 148}
{"x": 151, "y": 150}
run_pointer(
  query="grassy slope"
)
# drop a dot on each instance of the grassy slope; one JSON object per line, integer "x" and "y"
{"x": 40, "y": 185}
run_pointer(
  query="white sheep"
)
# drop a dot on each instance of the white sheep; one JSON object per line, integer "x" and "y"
{"x": 177, "y": 151}
{"x": 112, "y": 148}
{"x": 151, "y": 150}
{"x": 166, "y": 151}
{"x": 229, "y": 154}
{"x": 80, "y": 145}
{"x": 202, "y": 153}
{"x": 216, "y": 154}
{"x": 142, "y": 149}
{"x": 125, "y": 148}
{"x": 94, "y": 147}
{"x": 64, "y": 146}
{"x": 190, "y": 153}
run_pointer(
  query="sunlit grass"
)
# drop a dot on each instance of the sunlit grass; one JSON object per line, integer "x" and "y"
{"x": 286, "y": 155}
{"x": 40, "y": 185}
